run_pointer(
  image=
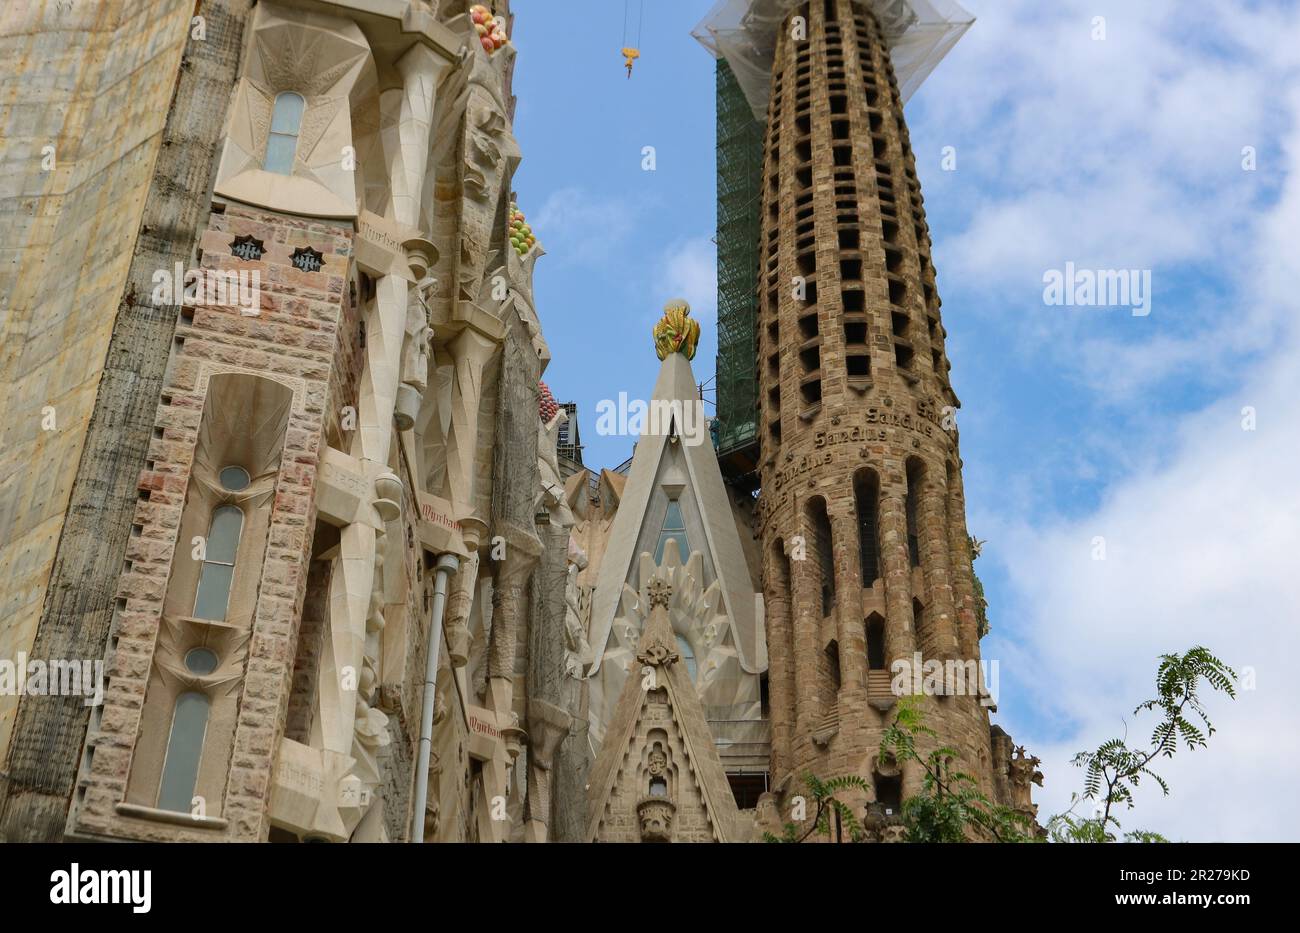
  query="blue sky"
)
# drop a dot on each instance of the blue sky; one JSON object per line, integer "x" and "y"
{"x": 1077, "y": 423}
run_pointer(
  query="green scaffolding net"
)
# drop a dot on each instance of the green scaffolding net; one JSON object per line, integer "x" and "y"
{"x": 740, "y": 170}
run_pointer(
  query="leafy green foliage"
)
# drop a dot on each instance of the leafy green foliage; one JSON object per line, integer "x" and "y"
{"x": 981, "y": 604}
{"x": 950, "y": 807}
{"x": 825, "y": 803}
{"x": 1114, "y": 770}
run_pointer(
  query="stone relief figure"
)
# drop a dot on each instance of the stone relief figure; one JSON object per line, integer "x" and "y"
{"x": 417, "y": 344}
{"x": 550, "y": 496}
{"x": 577, "y": 654}
{"x": 1023, "y": 771}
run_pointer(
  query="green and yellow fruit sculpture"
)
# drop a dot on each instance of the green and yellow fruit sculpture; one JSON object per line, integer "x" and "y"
{"x": 676, "y": 332}
{"x": 521, "y": 235}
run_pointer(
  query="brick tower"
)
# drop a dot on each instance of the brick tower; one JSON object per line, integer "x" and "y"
{"x": 866, "y": 558}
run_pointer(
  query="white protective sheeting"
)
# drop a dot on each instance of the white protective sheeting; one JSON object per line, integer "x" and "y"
{"x": 919, "y": 34}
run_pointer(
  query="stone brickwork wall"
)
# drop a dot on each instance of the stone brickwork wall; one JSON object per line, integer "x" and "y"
{"x": 691, "y": 821}
{"x": 856, "y": 412}
{"x": 292, "y": 340}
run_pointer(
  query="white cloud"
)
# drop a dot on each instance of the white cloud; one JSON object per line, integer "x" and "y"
{"x": 1124, "y": 154}
{"x": 575, "y": 225}
{"x": 690, "y": 271}
{"x": 1202, "y": 537}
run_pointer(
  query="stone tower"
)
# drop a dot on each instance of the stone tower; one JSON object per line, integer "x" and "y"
{"x": 866, "y": 557}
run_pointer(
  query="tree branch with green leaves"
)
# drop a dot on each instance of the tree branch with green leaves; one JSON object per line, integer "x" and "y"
{"x": 1114, "y": 770}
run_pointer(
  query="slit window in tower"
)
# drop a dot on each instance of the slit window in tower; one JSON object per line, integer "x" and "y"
{"x": 282, "y": 143}
{"x": 180, "y": 771}
{"x": 821, "y": 528}
{"x": 674, "y": 526}
{"x": 875, "y": 643}
{"x": 857, "y": 367}
{"x": 855, "y": 332}
{"x": 833, "y": 663}
{"x": 866, "y": 494}
{"x": 913, "y": 492}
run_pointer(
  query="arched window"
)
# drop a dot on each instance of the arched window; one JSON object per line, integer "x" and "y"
{"x": 688, "y": 656}
{"x": 218, "y": 572}
{"x": 282, "y": 144}
{"x": 674, "y": 526}
{"x": 184, "y": 749}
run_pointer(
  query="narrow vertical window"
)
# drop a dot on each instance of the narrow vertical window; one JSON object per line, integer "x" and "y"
{"x": 282, "y": 144}
{"x": 213, "y": 596}
{"x": 184, "y": 749}
{"x": 914, "y": 471}
{"x": 875, "y": 643}
{"x": 218, "y": 572}
{"x": 674, "y": 526}
{"x": 821, "y": 529}
{"x": 866, "y": 493}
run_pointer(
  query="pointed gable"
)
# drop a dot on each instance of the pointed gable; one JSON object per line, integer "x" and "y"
{"x": 670, "y": 467}
{"x": 658, "y": 776}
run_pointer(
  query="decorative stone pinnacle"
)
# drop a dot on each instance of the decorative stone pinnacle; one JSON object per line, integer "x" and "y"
{"x": 659, "y": 591}
{"x": 676, "y": 332}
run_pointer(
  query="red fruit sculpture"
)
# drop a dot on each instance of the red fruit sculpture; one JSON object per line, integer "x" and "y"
{"x": 547, "y": 406}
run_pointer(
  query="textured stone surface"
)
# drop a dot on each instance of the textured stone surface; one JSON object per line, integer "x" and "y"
{"x": 292, "y": 339}
{"x": 853, "y": 381}
{"x": 76, "y": 273}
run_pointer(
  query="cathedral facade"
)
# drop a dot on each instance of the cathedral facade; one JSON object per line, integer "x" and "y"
{"x": 283, "y": 471}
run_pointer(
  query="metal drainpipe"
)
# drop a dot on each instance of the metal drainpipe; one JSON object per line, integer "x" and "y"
{"x": 447, "y": 565}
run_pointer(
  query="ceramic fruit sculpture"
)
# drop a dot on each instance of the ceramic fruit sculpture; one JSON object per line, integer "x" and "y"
{"x": 547, "y": 406}
{"x": 521, "y": 235}
{"x": 491, "y": 30}
{"x": 676, "y": 332}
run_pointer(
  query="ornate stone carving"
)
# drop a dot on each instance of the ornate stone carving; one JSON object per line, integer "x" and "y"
{"x": 655, "y": 816}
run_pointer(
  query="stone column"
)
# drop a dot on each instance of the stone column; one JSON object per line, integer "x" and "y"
{"x": 351, "y": 583}
{"x": 896, "y": 567}
{"x": 419, "y": 68}
{"x": 806, "y": 586}
{"x": 471, "y": 351}
{"x": 963, "y": 580}
{"x": 780, "y": 676}
{"x": 850, "y": 632}
{"x": 935, "y": 564}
